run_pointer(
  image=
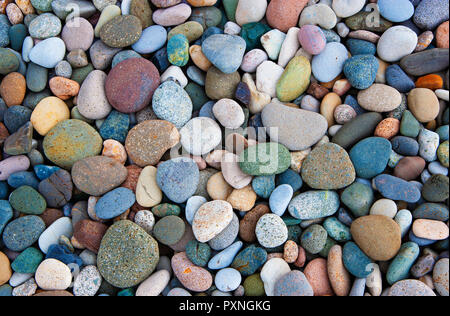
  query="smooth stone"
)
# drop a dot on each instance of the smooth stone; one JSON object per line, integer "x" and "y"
{"x": 361, "y": 47}
{"x": 249, "y": 260}
{"x": 379, "y": 98}
{"x": 430, "y": 229}
{"x": 423, "y": 104}
{"x": 211, "y": 219}
{"x": 127, "y": 255}
{"x": 295, "y": 128}
{"x": 45, "y": 26}
{"x": 360, "y": 127}
{"x": 27, "y": 200}
{"x": 148, "y": 141}
{"x": 370, "y": 156}
{"x": 98, "y": 175}
{"x": 131, "y": 84}
{"x": 107, "y": 14}
{"x": 6, "y": 214}
{"x": 314, "y": 204}
{"x": 298, "y": 70}
{"x": 426, "y": 62}
{"x": 384, "y": 207}
{"x": 440, "y": 276}
{"x": 314, "y": 238}
{"x": 401, "y": 35}
{"x": 147, "y": 191}
{"x": 400, "y": 266}
{"x": 436, "y": 188}
{"x": 229, "y": 113}
{"x": 337, "y": 229}
{"x": 48, "y": 53}
{"x": 280, "y": 198}
{"x": 51, "y": 235}
{"x": 358, "y": 197}
{"x": 224, "y": 51}
{"x": 398, "y": 79}
{"x": 328, "y": 167}
{"x": 173, "y": 15}
{"x": 398, "y": 11}
{"x": 430, "y": 13}
{"x": 178, "y": 50}
{"x": 271, "y": 231}
{"x": 172, "y": 103}
{"x": 338, "y": 275}
{"x": 169, "y": 230}
{"x": 53, "y": 275}
{"x": 102, "y": 55}
{"x": 114, "y": 203}
{"x": 88, "y": 282}
{"x": 227, "y": 236}
{"x": 192, "y": 277}
{"x": 13, "y": 164}
{"x": 23, "y": 232}
{"x": 405, "y": 146}
{"x": 178, "y": 178}
{"x": 224, "y": 258}
{"x": 410, "y": 287}
{"x": 121, "y": 31}
{"x": 355, "y": 261}
{"x": 433, "y": 211}
{"x": 27, "y": 261}
{"x": 92, "y": 102}
{"x": 361, "y": 71}
{"x": 75, "y": 134}
{"x": 115, "y": 128}
{"x": 264, "y": 159}
{"x": 198, "y": 253}
{"x": 318, "y": 14}
{"x": 378, "y": 236}
{"x": 396, "y": 189}
{"x": 330, "y": 62}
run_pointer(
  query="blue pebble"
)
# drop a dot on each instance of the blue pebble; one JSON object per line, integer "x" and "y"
{"x": 401, "y": 265}
{"x": 22, "y": 232}
{"x": 15, "y": 117}
{"x": 364, "y": 181}
{"x": 210, "y": 31}
{"x": 350, "y": 100}
{"x": 114, "y": 203}
{"x": 355, "y": 261}
{"x": 224, "y": 258}
{"x": 292, "y": 178}
{"x": 398, "y": 79}
{"x": 422, "y": 242}
{"x": 115, "y": 126}
{"x": 255, "y": 125}
{"x": 160, "y": 60}
{"x": 17, "y": 34}
{"x": 177, "y": 50}
{"x": 153, "y": 38}
{"x": 6, "y": 290}
{"x": 361, "y": 47}
{"x": 434, "y": 211}
{"x": 227, "y": 280}
{"x": 344, "y": 216}
{"x": 396, "y": 11}
{"x": 396, "y": 189}
{"x": 361, "y": 71}
{"x": 3, "y": 190}
{"x": 67, "y": 209}
{"x": 224, "y": 51}
{"x": 206, "y": 110}
{"x": 358, "y": 288}
{"x": 6, "y": 213}
{"x": 329, "y": 63}
{"x": 18, "y": 179}
{"x": 280, "y": 198}
{"x": 370, "y": 156}
{"x": 124, "y": 55}
{"x": 43, "y": 172}
{"x": 263, "y": 185}
{"x": 442, "y": 131}
{"x": 4, "y": 30}
{"x": 63, "y": 254}
{"x": 178, "y": 178}
{"x": 405, "y": 146}
{"x": 331, "y": 36}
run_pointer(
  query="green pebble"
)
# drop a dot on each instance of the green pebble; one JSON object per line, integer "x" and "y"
{"x": 230, "y": 9}
{"x": 252, "y": 32}
{"x": 314, "y": 239}
{"x": 199, "y": 253}
{"x": 79, "y": 74}
{"x": 337, "y": 230}
{"x": 358, "y": 198}
{"x": 295, "y": 79}
{"x": 409, "y": 126}
{"x": 197, "y": 95}
{"x": 442, "y": 154}
{"x": 27, "y": 261}
{"x": 27, "y": 200}
{"x": 326, "y": 249}
{"x": 254, "y": 286}
{"x": 8, "y": 61}
{"x": 401, "y": 265}
{"x": 166, "y": 209}
{"x": 169, "y": 230}
{"x": 265, "y": 159}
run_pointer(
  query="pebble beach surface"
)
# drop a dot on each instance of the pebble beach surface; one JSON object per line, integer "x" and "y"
{"x": 224, "y": 148}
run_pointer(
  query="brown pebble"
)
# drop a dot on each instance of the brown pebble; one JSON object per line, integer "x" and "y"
{"x": 50, "y": 215}
{"x": 317, "y": 275}
{"x": 388, "y": 128}
{"x": 409, "y": 168}
{"x": 90, "y": 234}
{"x": 248, "y": 223}
{"x": 13, "y": 88}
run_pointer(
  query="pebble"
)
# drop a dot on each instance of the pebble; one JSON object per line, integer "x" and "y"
{"x": 440, "y": 276}
{"x": 400, "y": 266}
{"x": 52, "y": 275}
{"x": 48, "y": 53}
{"x": 337, "y": 274}
{"x": 273, "y": 270}
{"x": 115, "y": 252}
{"x": 271, "y": 231}
{"x": 224, "y": 51}
{"x": 330, "y": 62}
{"x": 355, "y": 261}
{"x": 328, "y": 167}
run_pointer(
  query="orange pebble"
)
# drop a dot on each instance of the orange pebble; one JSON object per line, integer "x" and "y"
{"x": 388, "y": 128}
{"x": 64, "y": 88}
{"x": 431, "y": 125}
{"x": 330, "y": 84}
{"x": 432, "y": 82}
{"x": 442, "y": 35}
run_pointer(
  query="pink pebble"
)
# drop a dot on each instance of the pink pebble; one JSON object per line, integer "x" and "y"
{"x": 253, "y": 59}
{"x": 312, "y": 39}
{"x": 13, "y": 164}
